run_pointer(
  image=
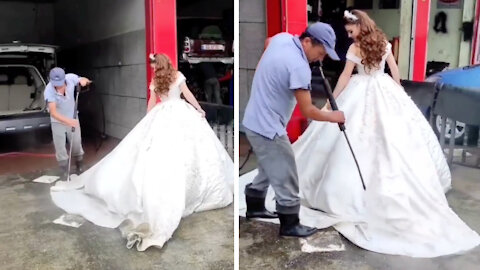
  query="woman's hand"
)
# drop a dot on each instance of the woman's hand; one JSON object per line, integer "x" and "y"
{"x": 201, "y": 111}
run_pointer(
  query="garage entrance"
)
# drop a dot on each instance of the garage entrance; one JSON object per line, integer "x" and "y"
{"x": 109, "y": 41}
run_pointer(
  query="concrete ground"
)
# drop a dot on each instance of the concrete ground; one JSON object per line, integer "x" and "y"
{"x": 261, "y": 248}
{"x": 29, "y": 239}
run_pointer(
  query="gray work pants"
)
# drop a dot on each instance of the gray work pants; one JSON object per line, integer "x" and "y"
{"x": 61, "y": 133}
{"x": 276, "y": 167}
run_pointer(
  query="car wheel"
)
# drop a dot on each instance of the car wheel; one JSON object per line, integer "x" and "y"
{"x": 459, "y": 130}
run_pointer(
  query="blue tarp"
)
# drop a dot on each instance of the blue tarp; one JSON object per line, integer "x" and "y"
{"x": 466, "y": 77}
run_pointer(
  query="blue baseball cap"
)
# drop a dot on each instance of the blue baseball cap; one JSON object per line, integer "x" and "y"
{"x": 324, "y": 33}
{"x": 57, "y": 76}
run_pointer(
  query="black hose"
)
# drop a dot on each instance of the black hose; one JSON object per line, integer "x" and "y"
{"x": 102, "y": 133}
{"x": 334, "y": 106}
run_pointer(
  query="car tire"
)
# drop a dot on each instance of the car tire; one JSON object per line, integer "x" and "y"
{"x": 473, "y": 131}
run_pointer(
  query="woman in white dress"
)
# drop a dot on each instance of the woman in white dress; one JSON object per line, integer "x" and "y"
{"x": 170, "y": 165}
{"x": 404, "y": 210}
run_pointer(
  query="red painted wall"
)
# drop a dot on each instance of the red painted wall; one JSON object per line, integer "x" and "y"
{"x": 288, "y": 16}
{"x": 421, "y": 40}
{"x": 160, "y": 31}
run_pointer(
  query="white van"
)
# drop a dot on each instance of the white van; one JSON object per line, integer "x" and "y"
{"x": 23, "y": 76}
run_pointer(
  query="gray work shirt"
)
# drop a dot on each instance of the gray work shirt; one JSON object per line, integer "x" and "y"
{"x": 65, "y": 103}
{"x": 282, "y": 69}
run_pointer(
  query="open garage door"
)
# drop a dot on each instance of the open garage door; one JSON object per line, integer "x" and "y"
{"x": 102, "y": 40}
{"x": 108, "y": 41}
{"x": 205, "y": 53}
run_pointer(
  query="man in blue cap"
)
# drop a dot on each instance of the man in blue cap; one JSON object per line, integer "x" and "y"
{"x": 59, "y": 94}
{"x": 283, "y": 78}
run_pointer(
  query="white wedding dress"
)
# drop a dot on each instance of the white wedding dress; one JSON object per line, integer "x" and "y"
{"x": 404, "y": 210}
{"x": 169, "y": 166}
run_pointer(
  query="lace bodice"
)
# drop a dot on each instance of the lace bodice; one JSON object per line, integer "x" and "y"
{"x": 361, "y": 68}
{"x": 174, "y": 91}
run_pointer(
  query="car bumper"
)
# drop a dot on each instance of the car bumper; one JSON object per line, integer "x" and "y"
{"x": 197, "y": 60}
{"x": 24, "y": 123}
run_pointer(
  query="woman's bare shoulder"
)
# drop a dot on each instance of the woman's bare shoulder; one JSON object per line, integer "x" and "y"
{"x": 355, "y": 50}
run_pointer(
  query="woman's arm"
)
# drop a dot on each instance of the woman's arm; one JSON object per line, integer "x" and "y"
{"x": 347, "y": 71}
{"x": 393, "y": 68}
{"x": 344, "y": 78}
{"x": 191, "y": 98}
{"x": 152, "y": 101}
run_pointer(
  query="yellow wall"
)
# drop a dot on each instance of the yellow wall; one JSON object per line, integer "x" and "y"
{"x": 445, "y": 47}
{"x": 466, "y": 46}
{"x": 387, "y": 19}
{"x": 405, "y": 41}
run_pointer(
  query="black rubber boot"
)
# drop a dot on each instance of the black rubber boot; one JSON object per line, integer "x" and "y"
{"x": 63, "y": 172}
{"x": 79, "y": 166}
{"x": 256, "y": 208}
{"x": 290, "y": 226}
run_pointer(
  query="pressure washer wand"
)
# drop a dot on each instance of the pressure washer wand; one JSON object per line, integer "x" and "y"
{"x": 334, "y": 106}
{"x": 73, "y": 132}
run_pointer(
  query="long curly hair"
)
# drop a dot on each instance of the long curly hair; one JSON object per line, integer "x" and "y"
{"x": 371, "y": 39}
{"x": 165, "y": 73}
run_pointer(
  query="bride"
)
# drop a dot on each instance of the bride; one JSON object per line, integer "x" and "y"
{"x": 169, "y": 166}
{"x": 404, "y": 210}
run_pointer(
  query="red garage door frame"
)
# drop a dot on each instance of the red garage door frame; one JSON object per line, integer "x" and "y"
{"x": 288, "y": 16}
{"x": 421, "y": 21}
{"x": 476, "y": 36}
{"x": 296, "y": 20}
{"x": 160, "y": 32}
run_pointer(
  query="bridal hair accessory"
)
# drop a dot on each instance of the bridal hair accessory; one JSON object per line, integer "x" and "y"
{"x": 152, "y": 57}
{"x": 347, "y": 14}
